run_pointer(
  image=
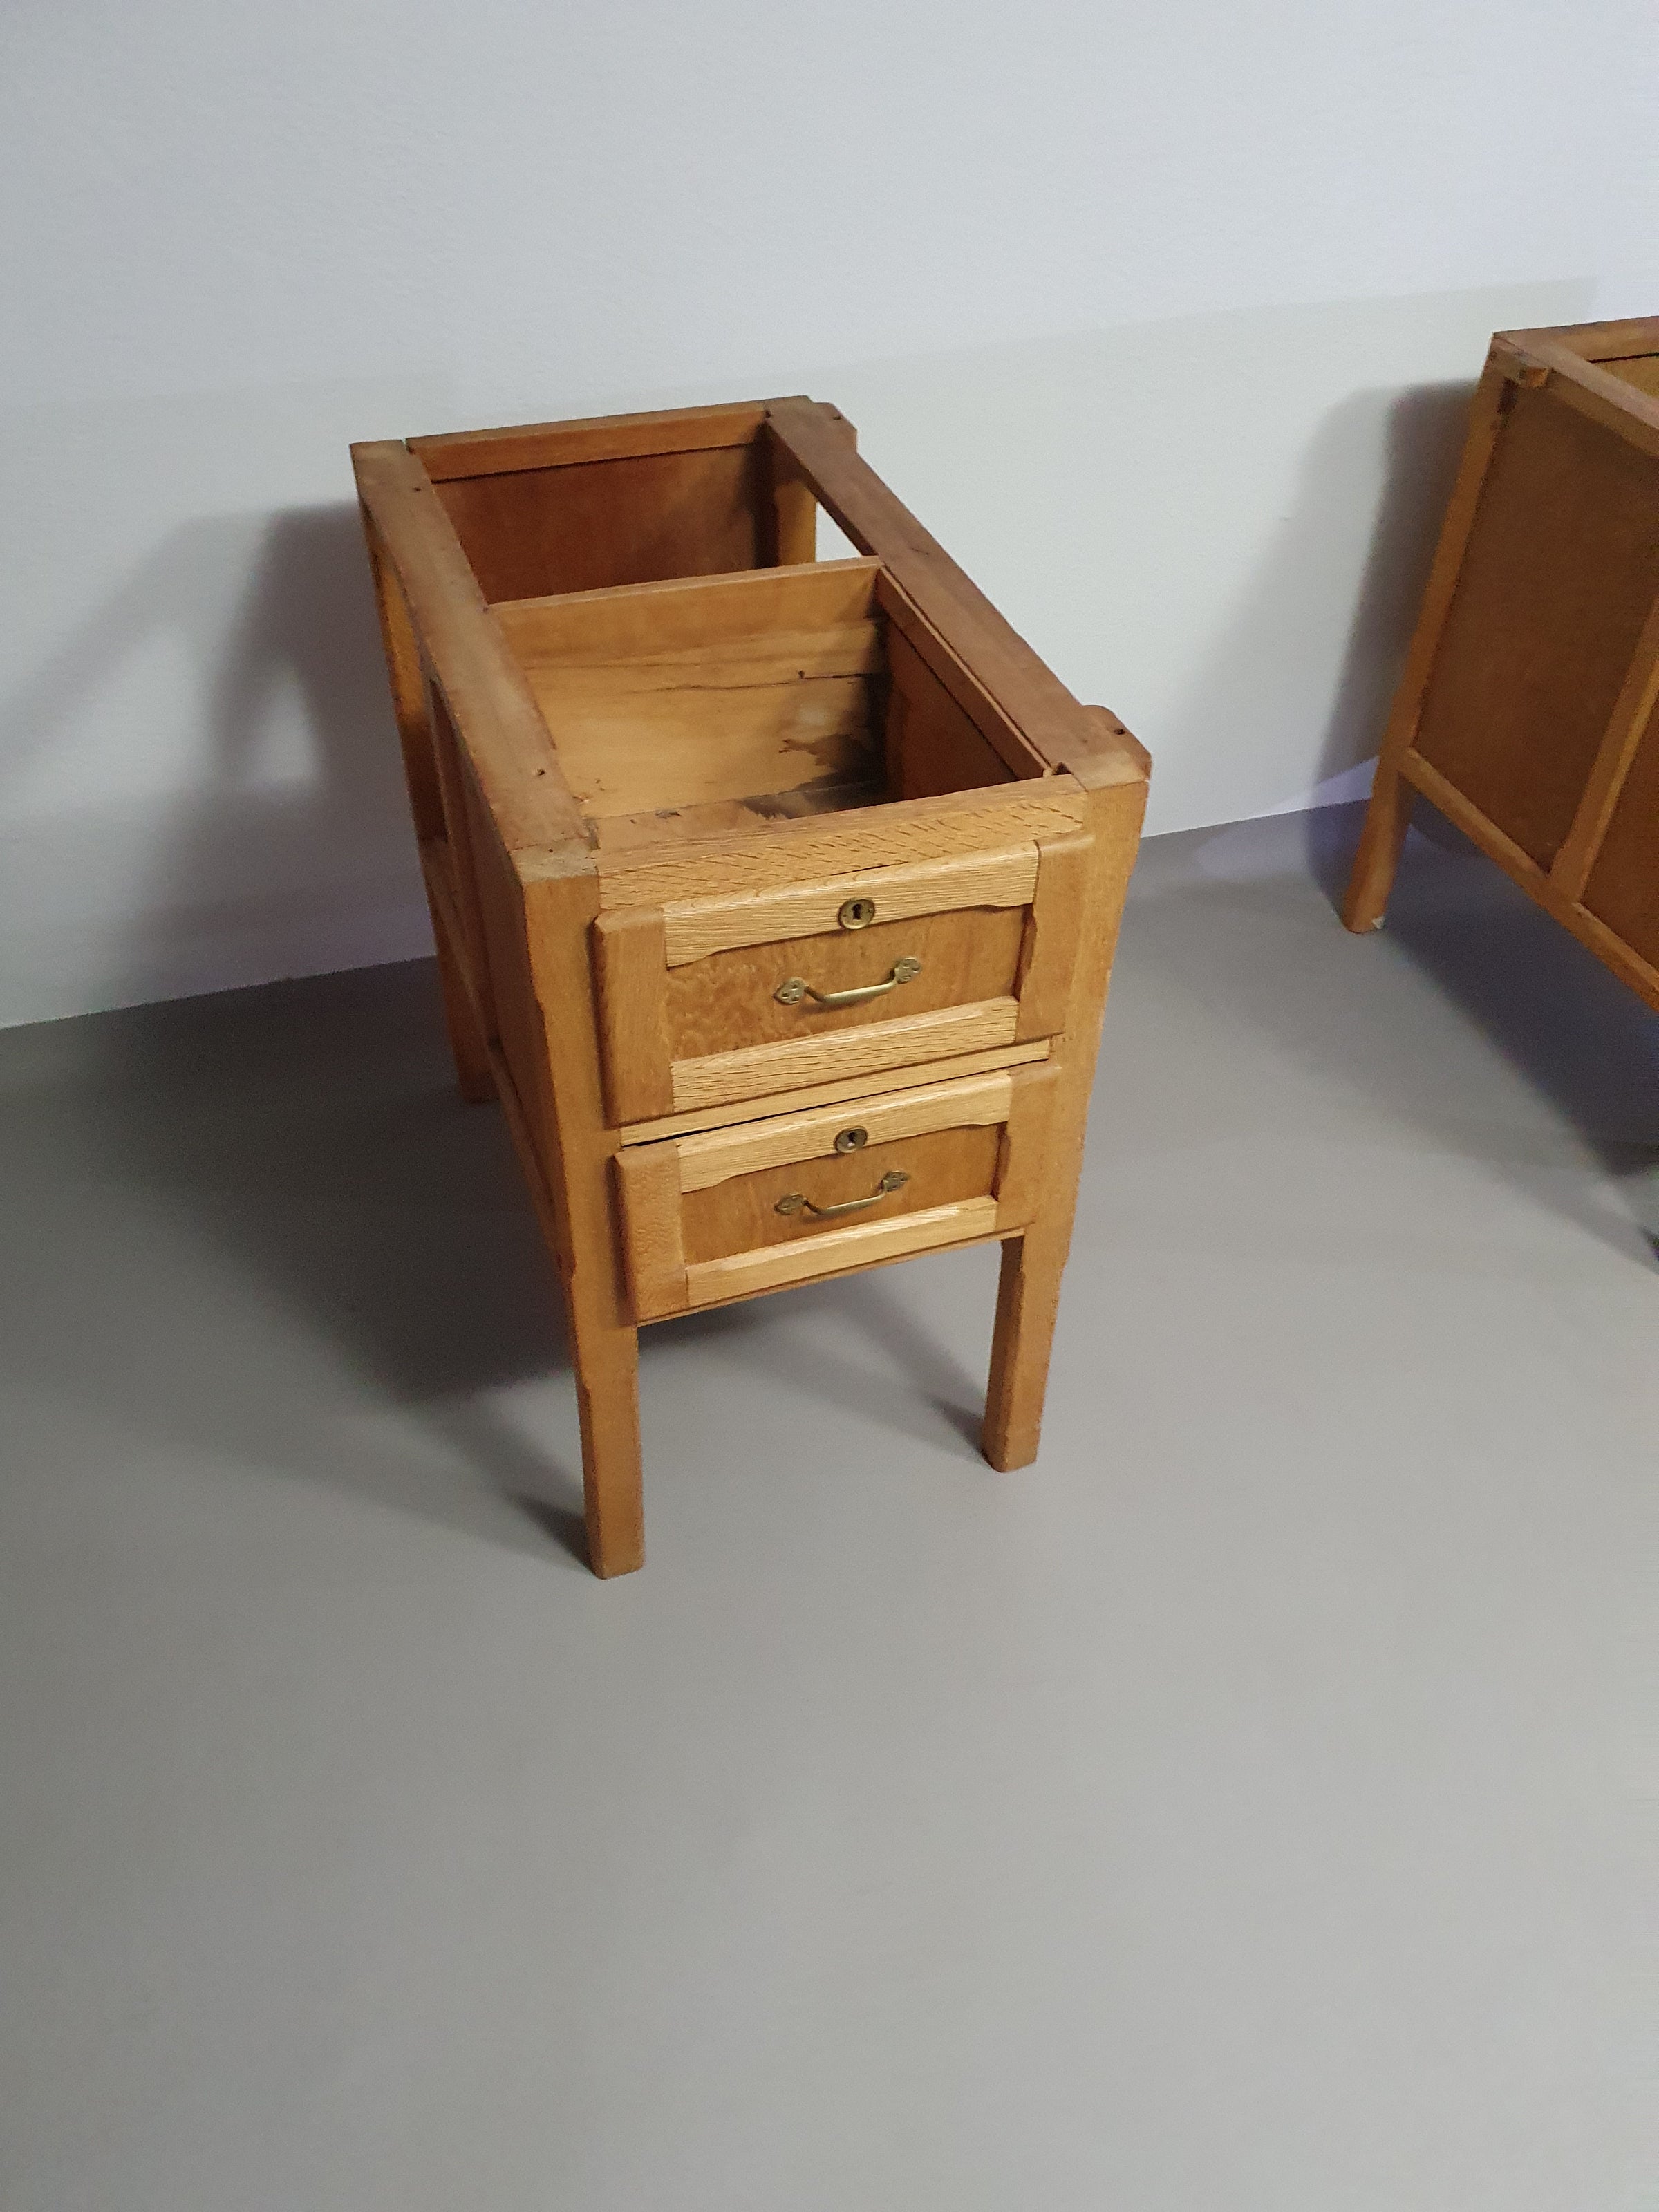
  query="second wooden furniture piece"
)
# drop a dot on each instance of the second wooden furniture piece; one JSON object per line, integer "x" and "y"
{"x": 1527, "y": 712}
{"x": 776, "y": 900}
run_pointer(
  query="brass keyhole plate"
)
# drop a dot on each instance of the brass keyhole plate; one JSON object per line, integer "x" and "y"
{"x": 857, "y": 914}
{"x": 852, "y": 1140}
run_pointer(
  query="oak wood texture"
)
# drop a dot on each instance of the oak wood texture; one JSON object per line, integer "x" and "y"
{"x": 652, "y": 747}
{"x": 984, "y": 930}
{"x": 728, "y": 1001}
{"x": 756, "y": 1070}
{"x": 694, "y": 928}
{"x": 745, "y": 1274}
{"x": 971, "y": 1102}
{"x": 772, "y": 853}
{"x": 941, "y": 1169}
{"x": 1527, "y": 710}
{"x": 710, "y": 1202}
{"x": 836, "y": 1094}
{"x": 631, "y": 981}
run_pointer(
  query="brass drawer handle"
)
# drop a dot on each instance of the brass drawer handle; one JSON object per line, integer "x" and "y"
{"x": 796, "y": 1202}
{"x": 792, "y": 992}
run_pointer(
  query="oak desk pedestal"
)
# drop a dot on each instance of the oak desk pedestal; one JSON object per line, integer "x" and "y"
{"x": 1527, "y": 710}
{"x": 774, "y": 899}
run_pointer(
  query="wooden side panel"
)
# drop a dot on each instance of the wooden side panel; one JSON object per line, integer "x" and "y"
{"x": 517, "y": 1030}
{"x": 408, "y": 680}
{"x": 529, "y": 531}
{"x": 1623, "y": 890}
{"x": 728, "y": 1002}
{"x": 1560, "y": 570}
{"x": 1025, "y": 1168}
{"x": 648, "y": 1181}
{"x": 689, "y": 614}
{"x": 630, "y": 978}
{"x": 1048, "y": 954}
{"x": 931, "y": 745}
{"x": 457, "y": 861}
{"x": 1033, "y": 1262}
{"x": 787, "y": 513}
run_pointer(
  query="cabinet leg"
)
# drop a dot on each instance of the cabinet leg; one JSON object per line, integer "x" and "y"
{"x": 607, "y": 1363}
{"x": 1380, "y": 842}
{"x": 1028, "y": 1299}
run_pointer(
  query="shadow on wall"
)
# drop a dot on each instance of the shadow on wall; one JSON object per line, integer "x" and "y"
{"x": 1426, "y": 427}
{"x": 1306, "y": 642}
{"x": 298, "y": 800}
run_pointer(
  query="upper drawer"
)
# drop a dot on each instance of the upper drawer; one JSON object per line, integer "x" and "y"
{"x": 717, "y": 999}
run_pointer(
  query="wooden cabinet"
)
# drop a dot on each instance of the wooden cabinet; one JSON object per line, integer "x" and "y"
{"x": 774, "y": 899}
{"x": 1526, "y": 713}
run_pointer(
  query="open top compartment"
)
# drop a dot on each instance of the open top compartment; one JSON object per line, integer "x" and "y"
{"x": 696, "y": 706}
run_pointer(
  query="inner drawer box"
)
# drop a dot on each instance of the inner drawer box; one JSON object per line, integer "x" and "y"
{"x": 730, "y": 1211}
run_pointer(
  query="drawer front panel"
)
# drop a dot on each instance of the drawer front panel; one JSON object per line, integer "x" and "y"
{"x": 914, "y": 963}
{"x": 733, "y": 1210}
{"x": 742, "y": 1215}
{"x": 730, "y": 1001}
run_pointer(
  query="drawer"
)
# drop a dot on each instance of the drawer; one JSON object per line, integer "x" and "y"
{"x": 715, "y": 1000}
{"x": 733, "y": 1211}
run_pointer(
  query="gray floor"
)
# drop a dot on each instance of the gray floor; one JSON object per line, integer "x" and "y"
{"x": 1238, "y": 1812}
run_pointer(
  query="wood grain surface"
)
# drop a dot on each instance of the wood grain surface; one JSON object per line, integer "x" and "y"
{"x": 727, "y": 1001}
{"x": 912, "y": 1038}
{"x": 1559, "y": 573}
{"x": 783, "y": 1138}
{"x": 745, "y": 1274}
{"x": 694, "y": 928}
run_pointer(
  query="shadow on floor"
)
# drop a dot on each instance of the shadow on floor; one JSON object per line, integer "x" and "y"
{"x": 303, "y": 1145}
{"x": 1562, "y": 1020}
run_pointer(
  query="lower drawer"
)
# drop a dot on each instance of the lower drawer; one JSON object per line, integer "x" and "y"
{"x": 733, "y": 1211}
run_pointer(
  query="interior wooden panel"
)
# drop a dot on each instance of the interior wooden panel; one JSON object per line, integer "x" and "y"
{"x": 517, "y": 1021}
{"x": 930, "y": 745}
{"x": 670, "y": 829}
{"x": 1640, "y": 369}
{"x": 725, "y": 1002}
{"x": 594, "y": 438}
{"x": 528, "y": 531}
{"x": 772, "y": 856}
{"x": 670, "y": 731}
{"x": 1623, "y": 890}
{"x": 741, "y": 1215}
{"x": 684, "y": 614}
{"x": 1544, "y": 620}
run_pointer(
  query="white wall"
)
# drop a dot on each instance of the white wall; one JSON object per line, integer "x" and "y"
{"x": 1039, "y": 253}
